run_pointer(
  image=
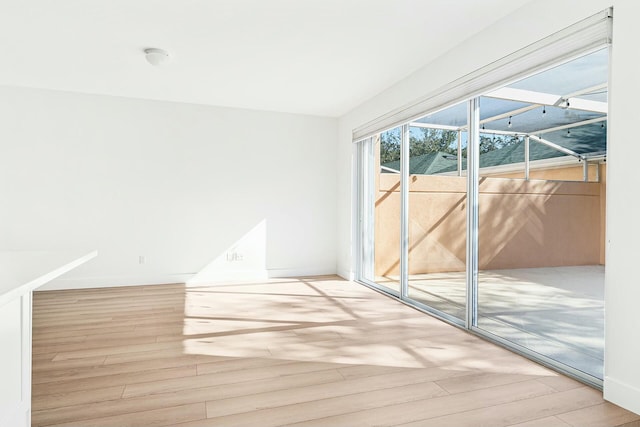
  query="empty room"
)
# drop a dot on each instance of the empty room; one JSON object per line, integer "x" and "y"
{"x": 319, "y": 213}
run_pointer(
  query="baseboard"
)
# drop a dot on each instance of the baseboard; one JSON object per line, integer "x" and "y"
{"x": 622, "y": 394}
{"x": 187, "y": 278}
{"x": 228, "y": 276}
{"x": 300, "y": 272}
{"x": 346, "y": 275}
{"x": 113, "y": 281}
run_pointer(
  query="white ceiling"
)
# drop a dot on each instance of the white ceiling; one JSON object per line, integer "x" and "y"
{"x": 321, "y": 57}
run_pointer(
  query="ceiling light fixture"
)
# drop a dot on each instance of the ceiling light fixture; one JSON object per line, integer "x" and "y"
{"x": 155, "y": 56}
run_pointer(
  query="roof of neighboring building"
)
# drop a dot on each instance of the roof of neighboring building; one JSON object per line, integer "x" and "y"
{"x": 428, "y": 164}
{"x": 583, "y": 140}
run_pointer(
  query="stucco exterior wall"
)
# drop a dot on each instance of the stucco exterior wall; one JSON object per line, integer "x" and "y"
{"x": 523, "y": 224}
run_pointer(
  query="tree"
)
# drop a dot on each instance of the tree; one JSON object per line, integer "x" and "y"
{"x": 428, "y": 140}
{"x": 390, "y": 146}
{"x": 433, "y": 141}
{"x": 496, "y": 142}
{"x": 422, "y": 141}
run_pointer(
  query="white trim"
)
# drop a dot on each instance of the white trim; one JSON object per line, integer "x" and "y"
{"x": 346, "y": 275}
{"x": 228, "y": 276}
{"x": 622, "y": 394}
{"x": 301, "y": 272}
{"x": 587, "y": 35}
{"x": 185, "y": 278}
{"x": 115, "y": 281}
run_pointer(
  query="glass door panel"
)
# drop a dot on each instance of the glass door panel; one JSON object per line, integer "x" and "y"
{"x": 541, "y": 214}
{"x": 437, "y": 211}
{"x": 385, "y": 271}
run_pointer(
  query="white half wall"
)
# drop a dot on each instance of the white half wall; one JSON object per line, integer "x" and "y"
{"x": 165, "y": 191}
{"x": 527, "y": 25}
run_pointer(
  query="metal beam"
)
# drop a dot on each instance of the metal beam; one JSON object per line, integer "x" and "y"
{"x": 526, "y": 158}
{"x": 543, "y": 131}
{"x": 384, "y": 168}
{"x": 588, "y": 90}
{"x": 541, "y": 98}
{"x": 527, "y": 96}
{"x": 473, "y": 172}
{"x": 585, "y": 170}
{"x": 433, "y": 126}
{"x": 507, "y": 114}
{"x": 510, "y": 113}
{"x": 586, "y": 105}
{"x": 571, "y": 125}
{"x": 521, "y": 95}
{"x": 557, "y": 147}
{"x": 404, "y": 212}
{"x": 501, "y": 132}
{"x": 459, "y": 153}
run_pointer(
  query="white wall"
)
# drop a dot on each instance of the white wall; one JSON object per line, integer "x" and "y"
{"x": 622, "y": 289}
{"x": 534, "y": 21}
{"x": 181, "y": 185}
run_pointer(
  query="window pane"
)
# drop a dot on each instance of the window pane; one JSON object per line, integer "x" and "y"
{"x": 387, "y": 210}
{"x": 437, "y": 211}
{"x": 541, "y": 239}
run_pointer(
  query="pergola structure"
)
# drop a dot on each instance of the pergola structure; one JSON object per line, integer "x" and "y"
{"x": 569, "y": 100}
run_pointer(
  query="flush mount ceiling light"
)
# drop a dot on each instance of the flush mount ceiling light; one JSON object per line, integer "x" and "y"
{"x": 156, "y": 56}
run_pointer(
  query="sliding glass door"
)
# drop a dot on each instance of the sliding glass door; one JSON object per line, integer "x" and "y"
{"x": 490, "y": 214}
{"x": 541, "y": 213}
{"x": 380, "y": 215}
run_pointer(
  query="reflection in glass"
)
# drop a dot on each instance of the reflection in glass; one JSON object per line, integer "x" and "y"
{"x": 437, "y": 211}
{"x": 387, "y": 210}
{"x": 541, "y": 213}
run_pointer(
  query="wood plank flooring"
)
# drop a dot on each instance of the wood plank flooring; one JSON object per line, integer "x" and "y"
{"x": 306, "y": 352}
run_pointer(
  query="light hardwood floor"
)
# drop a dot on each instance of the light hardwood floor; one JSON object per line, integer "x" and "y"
{"x": 305, "y": 352}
